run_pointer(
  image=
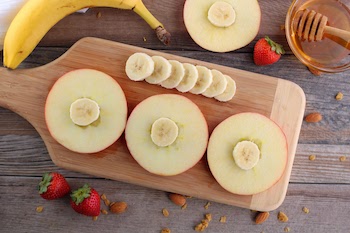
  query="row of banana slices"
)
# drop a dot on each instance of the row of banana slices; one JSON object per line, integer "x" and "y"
{"x": 185, "y": 77}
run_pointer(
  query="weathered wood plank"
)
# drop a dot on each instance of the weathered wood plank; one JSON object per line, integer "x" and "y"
{"x": 329, "y": 209}
{"x": 26, "y": 155}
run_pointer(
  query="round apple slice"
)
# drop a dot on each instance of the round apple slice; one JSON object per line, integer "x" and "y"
{"x": 166, "y": 134}
{"x": 222, "y": 26}
{"x": 86, "y": 111}
{"x": 247, "y": 153}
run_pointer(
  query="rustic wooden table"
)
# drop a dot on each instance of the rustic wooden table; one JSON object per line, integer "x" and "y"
{"x": 321, "y": 185}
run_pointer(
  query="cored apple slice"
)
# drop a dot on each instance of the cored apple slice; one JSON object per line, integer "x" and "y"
{"x": 86, "y": 110}
{"x": 247, "y": 153}
{"x": 166, "y": 134}
{"x": 222, "y": 25}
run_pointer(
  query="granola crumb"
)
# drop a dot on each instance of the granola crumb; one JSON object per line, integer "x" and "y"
{"x": 287, "y": 229}
{"x": 306, "y": 210}
{"x": 339, "y": 96}
{"x": 98, "y": 15}
{"x": 107, "y": 202}
{"x": 207, "y": 205}
{"x": 184, "y": 206}
{"x": 103, "y": 211}
{"x": 165, "y": 212}
{"x": 312, "y": 157}
{"x": 103, "y": 197}
{"x": 39, "y": 209}
{"x": 223, "y": 219}
{"x": 165, "y": 230}
{"x": 95, "y": 218}
{"x": 144, "y": 39}
{"x": 208, "y": 217}
{"x": 282, "y": 27}
{"x": 282, "y": 217}
{"x": 342, "y": 158}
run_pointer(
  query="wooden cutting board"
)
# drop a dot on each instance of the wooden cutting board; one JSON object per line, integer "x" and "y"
{"x": 25, "y": 91}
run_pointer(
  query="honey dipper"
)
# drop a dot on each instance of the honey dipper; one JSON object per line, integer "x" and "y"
{"x": 310, "y": 25}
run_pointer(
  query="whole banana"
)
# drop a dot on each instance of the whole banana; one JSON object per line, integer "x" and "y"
{"x": 37, "y": 17}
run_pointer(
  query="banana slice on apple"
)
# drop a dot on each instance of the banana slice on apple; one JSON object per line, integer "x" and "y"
{"x": 162, "y": 70}
{"x": 164, "y": 132}
{"x": 218, "y": 85}
{"x": 221, "y": 14}
{"x": 205, "y": 78}
{"x": 177, "y": 73}
{"x": 229, "y": 92}
{"x": 189, "y": 79}
{"x": 246, "y": 154}
{"x": 139, "y": 66}
{"x": 84, "y": 111}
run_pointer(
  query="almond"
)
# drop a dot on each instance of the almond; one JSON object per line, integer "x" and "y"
{"x": 177, "y": 199}
{"x": 118, "y": 207}
{"x": 313, "y": 117}
{"x": 261, "y": 217}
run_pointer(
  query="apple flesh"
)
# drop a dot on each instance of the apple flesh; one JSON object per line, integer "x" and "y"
{"x": 269, "y": 138}
{"x": 239, "y": 32}
{"x": 177, "y": 155}
{"x": 99, "y": 88}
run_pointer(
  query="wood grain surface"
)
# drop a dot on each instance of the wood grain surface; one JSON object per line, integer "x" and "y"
{"x": 321, "y": 185}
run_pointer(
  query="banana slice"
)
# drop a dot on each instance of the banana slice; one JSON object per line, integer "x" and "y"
{"x": 162, "y": 70}
{"x": 221, "y": 14}
{"x": 205, "y": 78}
{"x": 164, "y": 132}
{"x": 189, "y": 79}
{"x": 84, "y": 111}
{"x": 177, "y": 73}
{"x": 246, "y": 155}
{"x": 139, "y": 66}
{"x": 218, "y": 85}
{"x": 229, "y": 92}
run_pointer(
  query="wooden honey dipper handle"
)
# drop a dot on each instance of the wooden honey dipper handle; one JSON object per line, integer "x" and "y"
{"x": 310, "y": 25}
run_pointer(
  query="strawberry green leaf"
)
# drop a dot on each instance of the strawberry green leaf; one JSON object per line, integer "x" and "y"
{"x": 44, "y": 183}
{"x": 79, "y": 195}
{"x": 277, "y": 48}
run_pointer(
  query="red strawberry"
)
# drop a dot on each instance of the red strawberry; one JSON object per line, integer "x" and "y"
{"x": 86, "y": 201}
{"x": 53, "y": 185}
{"x": 267, "y": 52}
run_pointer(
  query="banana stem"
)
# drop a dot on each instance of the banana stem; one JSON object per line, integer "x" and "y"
{"x": 162, "y": 34}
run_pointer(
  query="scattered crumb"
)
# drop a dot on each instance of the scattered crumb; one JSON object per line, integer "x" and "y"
{"x": 223, "y": 219}
{"x": 39, "y": 209}
{"x": 312, "y": 157}
{"x": 342, "y": 158}
{"x": 184, "y": 206}
{"x": 202, "y": 226}
{"x": 208, "y": 217}
{"x": 144, "y": 39}
{"x": 98, "y": 15}
{"x": 95, "y": 218}
{"x": 165, "y": 212}
{"x": 339, "y": 96}
{"x": 287, "y": 229}
{"x": 207, "y": 205}
{"x": 103, "y": 197}
{"x": 282, "y": 217}
{"x": 282, "y": 27}
{"x": 165, "y": 230}
{"x": 306, "y": 210}
{"x": 103, "y": 211}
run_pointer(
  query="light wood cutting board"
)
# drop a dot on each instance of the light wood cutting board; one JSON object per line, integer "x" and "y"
{"x": 25, "y": 91}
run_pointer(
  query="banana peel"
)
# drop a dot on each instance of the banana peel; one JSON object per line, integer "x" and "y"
{"x": 37, "y": 17}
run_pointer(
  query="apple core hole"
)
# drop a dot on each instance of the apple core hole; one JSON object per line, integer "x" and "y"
{"x": 164, "y": 132}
